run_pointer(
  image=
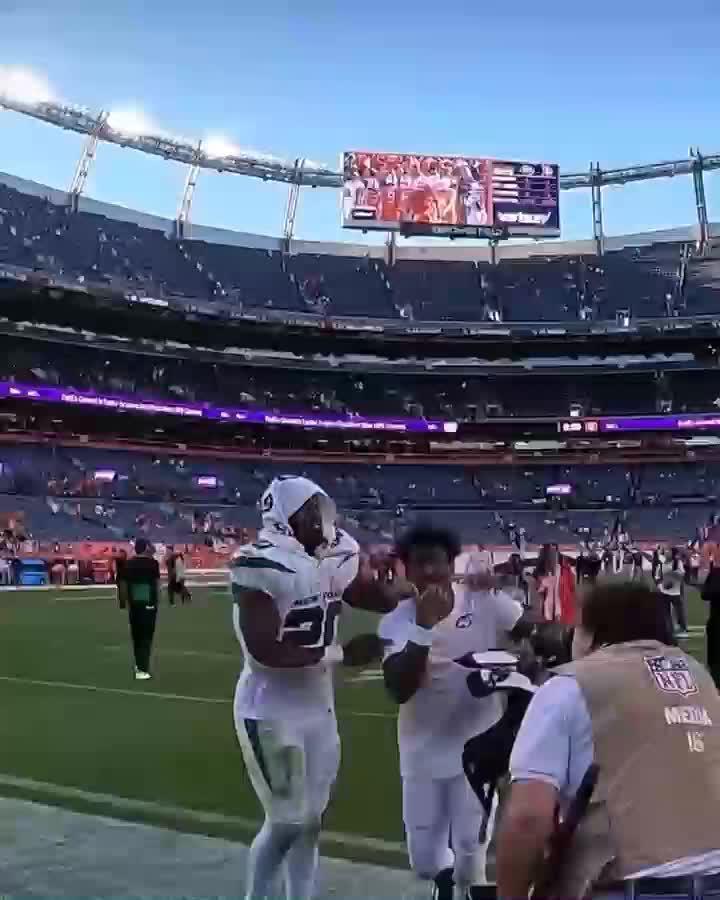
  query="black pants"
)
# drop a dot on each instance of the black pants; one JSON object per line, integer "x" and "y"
{"x": 142, "y": 631}
{"x": 176, "y": 587}
{"x": 712, "y": 632}
{"x": 677, "y": 601}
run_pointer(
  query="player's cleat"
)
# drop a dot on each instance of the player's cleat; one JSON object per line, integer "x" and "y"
{"x": 481, "y": 892}
{"x": 444, "y": 884}
{"x": 142, "y": 676}
{"x": 682, "y": 635}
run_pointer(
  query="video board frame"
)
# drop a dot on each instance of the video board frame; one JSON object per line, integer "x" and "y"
{"x": 449, "y": 196}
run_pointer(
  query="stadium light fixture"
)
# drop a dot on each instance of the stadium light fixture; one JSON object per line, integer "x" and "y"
{"x": 218, "y": 147}
{"x": 24, "y": 86}
{"x": 312, "y": 165}
{"x": 129, "y": 121}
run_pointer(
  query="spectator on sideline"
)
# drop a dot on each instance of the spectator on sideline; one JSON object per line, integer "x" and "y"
{"x": 175, "y": 563}
{"x": 15, "y": 567}
{"x": 5, "y": 574}
{"x": 566, "y": 589}
{"x": 142, "y": 582}
{"x": 671, "y": 584}
{"x": 545, "y": 585}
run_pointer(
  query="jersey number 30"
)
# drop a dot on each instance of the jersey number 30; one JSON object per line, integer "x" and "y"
{"x": 312, "y": 626}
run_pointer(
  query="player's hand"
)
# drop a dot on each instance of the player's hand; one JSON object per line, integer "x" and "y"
{"x": 481, "y": 581}
{"x": 480, "y": 684}
{"x": 433, "y": 605}
{"x": 551, "y": 642}
{"x": 528, "y": 662}
{"x": 400, "y": 588}
{"x": 362, "y": 650}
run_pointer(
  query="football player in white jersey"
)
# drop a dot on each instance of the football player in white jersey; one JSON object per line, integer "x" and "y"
{"x": 288, "y": 589}
{"x": 425, "y": 636}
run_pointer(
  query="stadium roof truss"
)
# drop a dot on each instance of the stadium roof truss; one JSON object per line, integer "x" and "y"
{"x": 301, "y": 172}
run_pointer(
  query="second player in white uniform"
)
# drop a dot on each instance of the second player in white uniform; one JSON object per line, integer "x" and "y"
{"x": 288, "y": 589}
{"x": 437, "y": 716}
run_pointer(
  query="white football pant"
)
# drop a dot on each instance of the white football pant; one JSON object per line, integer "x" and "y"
{"x": 443, "y": 823}
{"x": 292, "y": 767}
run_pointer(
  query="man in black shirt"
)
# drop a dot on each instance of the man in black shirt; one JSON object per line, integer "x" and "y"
{"x": 119, "y": 561}
{"x": 142, "y": 582}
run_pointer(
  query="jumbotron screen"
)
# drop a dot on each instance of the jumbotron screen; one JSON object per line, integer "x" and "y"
{"x": 450, "y": 195}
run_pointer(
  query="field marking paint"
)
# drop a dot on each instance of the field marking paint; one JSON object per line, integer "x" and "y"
{"x": 64, "y": 792}
{"x": 188, "y": 698}
{"x": 369, "y": 675}
{"x": 206, "y": 654}
{"x": 55, "y": 600}
{"x": 60, "y": 588}
{"x": 87, "y": 588}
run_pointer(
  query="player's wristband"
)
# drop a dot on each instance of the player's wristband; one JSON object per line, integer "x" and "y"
{"x": 423, "y": 637}
{"x": 333, "y": 654}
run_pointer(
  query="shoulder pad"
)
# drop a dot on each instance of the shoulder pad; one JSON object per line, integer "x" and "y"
{"x": 261, "y": 566}
{"x": 343, "y": 546}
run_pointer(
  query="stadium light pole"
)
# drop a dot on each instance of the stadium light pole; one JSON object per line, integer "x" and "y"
{"x": 87, "y": 157}
{"x": 597, "y": 210}
{"x": 700, "y": 201}
{"x": 183, "y": 216}
{"x": 390, "y": 248}
{"x": 291, "y": 206}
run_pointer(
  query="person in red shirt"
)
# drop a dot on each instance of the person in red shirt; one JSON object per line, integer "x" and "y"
{"x": 568, "y": 604}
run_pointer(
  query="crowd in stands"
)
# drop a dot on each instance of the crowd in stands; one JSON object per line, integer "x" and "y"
{"x": 286, "y": 389}
{"x": 98, "y": 494}
{"x": 650, "y": 281}
{"x": 90, "y": 493}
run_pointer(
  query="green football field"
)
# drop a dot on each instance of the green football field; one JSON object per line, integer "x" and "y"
{"x": 76, "y": 730}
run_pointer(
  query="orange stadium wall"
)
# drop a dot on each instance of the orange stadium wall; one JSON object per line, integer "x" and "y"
{"x": 198, "y": 556}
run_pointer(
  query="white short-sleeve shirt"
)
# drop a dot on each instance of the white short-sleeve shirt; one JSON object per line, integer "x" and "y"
{"x": 435, "y": 724}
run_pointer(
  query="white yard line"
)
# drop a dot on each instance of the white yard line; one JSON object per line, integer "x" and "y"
{"x": 44, "y": 588}
{"x": 139, "y": 692}
{"x": 207, "y": 654}
{"x": 128, "y": 805}
{"x": 88, "y": 588}
{"x": 366, "y": 676}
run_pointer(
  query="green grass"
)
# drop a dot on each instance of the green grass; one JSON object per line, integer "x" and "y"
{"x": 170, "y": 751}
{"x": 174, "y": 752}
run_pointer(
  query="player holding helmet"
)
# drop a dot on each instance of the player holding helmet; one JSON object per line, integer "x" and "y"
{"x": 288, "y": 589}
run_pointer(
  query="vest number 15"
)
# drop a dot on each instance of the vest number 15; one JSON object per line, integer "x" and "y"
{"x": 696, "y": 741}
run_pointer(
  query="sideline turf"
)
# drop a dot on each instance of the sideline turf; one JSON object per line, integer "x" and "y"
{"x": 175, "y": 752}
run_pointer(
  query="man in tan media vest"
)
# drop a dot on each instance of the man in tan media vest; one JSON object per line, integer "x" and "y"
{"x": 648, "y": 716}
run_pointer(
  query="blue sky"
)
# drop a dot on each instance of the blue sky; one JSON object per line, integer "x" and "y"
{"x": 617, "y": 82}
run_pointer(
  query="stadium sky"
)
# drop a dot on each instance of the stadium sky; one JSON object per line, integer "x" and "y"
{"x": 620, "y": 81}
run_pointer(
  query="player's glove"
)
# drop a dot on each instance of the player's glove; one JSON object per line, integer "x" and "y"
{"x": 362, "y": 650}
{"x": 552, "y": 642}
{"x": 486, "y": 658}
{"x": 528, "y": 662}
{"x": 483, "y": 682}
